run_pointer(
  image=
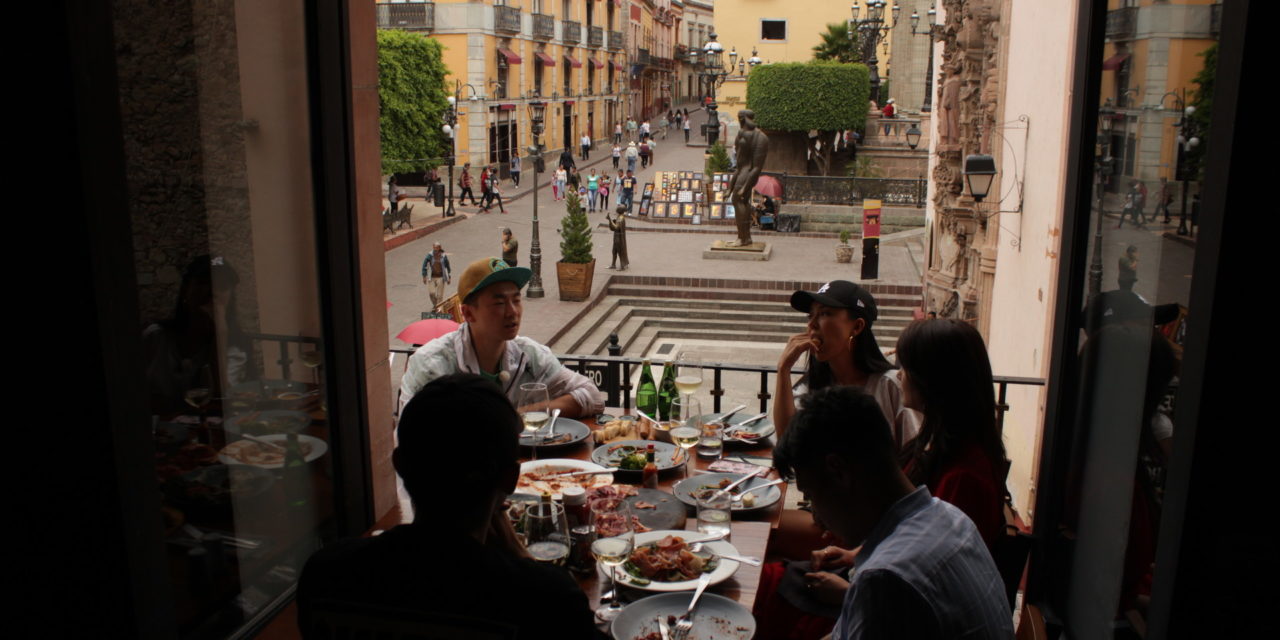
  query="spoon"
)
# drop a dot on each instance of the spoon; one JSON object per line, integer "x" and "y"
{"x": 738, "y": 498}
{"x": 751, "y": 560}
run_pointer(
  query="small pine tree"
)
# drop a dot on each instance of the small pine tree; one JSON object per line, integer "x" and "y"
{"x": 717, "y": 160}
{"x": 575, "y": 233}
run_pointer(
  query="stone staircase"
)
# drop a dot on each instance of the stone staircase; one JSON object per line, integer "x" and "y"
{"x": 746, "y": 321}
{"x": 832, "y": 218}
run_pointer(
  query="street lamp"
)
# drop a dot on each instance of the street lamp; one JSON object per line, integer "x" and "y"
{"x": 1186, "y": 141}
{"x": 537, "y": 115}
{"x": 713, "y": 75}
{"x": 870, "y": 31}
{"x": 928, "y": 76}
{"x": 450, "y": 129}
{"x": 979, "y": 172}
{"x": 1102, "y": 164}
{"x": 913, "y": 136}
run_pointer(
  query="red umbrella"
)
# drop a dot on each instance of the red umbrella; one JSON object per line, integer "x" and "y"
{"x": 769, "y": 186}
{"x": 424, "y": 331}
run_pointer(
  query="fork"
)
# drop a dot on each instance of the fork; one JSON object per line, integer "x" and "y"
{"x": 685, "y": 623}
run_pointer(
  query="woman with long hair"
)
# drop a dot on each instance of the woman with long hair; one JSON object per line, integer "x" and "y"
{"x": 959, "y": 453}
{"x": 842, "y": 350}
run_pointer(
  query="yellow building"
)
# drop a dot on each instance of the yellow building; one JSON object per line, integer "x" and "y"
{"x": 568, "y": 54}
{"x": 1152, "y": 54}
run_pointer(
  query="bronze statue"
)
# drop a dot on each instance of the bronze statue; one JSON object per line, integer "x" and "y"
{"x": 752, "y": 147}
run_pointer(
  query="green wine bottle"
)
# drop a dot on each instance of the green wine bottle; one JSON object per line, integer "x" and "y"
{"x": 647, "y": 392}
{"x": 667, "y": 390}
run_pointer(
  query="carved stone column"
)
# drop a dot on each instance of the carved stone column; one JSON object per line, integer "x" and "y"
{"x": 961, "y": 271}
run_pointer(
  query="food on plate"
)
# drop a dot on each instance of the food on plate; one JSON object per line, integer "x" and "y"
{"x": 748, "y": 500}
{"x": 256, "y": 424}
{"x": 627, "y": 457}
{"x": 190, "y": 456}
{"x": 668, "y": 560}
{"x": 559, "y": 438}
{"x": 641, "y": 504}
{"x": 250, "y": 452}
{"x": 616, "y": 430}
{"x": 552, "y": 479}
{"x": 743, "y": 434}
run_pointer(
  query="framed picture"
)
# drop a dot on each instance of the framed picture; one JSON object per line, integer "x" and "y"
{"x": 697, "y": 218}
{"x": 660, "y": 210}
{"x": 729, "y": 212}
{"x": 717, "y": 211}
{"x": 689, "y": 210}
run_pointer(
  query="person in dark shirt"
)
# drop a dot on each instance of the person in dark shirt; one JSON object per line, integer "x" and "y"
{"x": 458, "y": 564}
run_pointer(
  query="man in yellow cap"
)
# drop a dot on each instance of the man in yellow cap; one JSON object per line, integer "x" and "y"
{"x": 489, "y": 344}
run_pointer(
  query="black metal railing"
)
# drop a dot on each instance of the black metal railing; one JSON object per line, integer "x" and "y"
{"x": 416, "y": 16}
{"x": 847, "y": 190}
{"x": 282, "y": 347}
{"x": 544, "y": 26}
{"x": 506, "y": 19}
{"x": 643, "y": 57}
{"x": 1121, "y": 23}
{"x": 570, "y": 31}
{"x": 612, "y": 375}
{"x": 595, "y": 37}
{"x": 615, "y": 40}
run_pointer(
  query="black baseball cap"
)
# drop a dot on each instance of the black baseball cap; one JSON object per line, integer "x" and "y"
{"x": 840, "y": 294}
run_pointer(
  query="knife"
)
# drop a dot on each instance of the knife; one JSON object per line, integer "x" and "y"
{"x": 741, "y": 480}
{"x": 662, "y": 626}
{"x": 724, "y": 419}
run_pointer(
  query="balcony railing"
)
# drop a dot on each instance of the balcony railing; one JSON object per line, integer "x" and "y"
{"x": 615, "y": 40}
{"x": 506, "y": 19}
{"x": 416, "y": 16}
{"x": 570, "y": 31}
{"x": 906, "y": 192}
{"x": 643, "y": 58}
{"x": 544, "y": 26}
{"x": 1121, "y": 23}
{"x": 612, "y": 375}
{"x": 595, "y": 37}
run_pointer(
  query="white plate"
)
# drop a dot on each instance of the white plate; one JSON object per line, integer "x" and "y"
{"x": 318, "y": 448}
{"x": 716, "y": 617}
{"x": 550, "y": 464}
{"x": 722, "y": 572}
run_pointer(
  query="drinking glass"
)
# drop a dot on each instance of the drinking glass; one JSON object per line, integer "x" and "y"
{"x": 198, "y": 396}
{"x": 711, "y": 444}
{"x": 533, "y": 404}
{"x": 546, "y": 531}
{"x": 686, "y": 426}
{"x": 612, "y": 547}
{"x": 714, "y": 512}
{"x": 688, "y": 372}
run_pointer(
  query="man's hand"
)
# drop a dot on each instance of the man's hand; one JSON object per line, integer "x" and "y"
{"x": 831, "y": 558}
{"x": 826, "y": 587}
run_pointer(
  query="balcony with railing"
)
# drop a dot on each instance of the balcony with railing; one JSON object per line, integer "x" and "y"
{"x": 643, "y": 58}
{"x": 570, "y": 31}
{"x": 544, "y": 26}
{"x": 1121, "y": 23}
{"x": 506, "y": 19}
{"x": 595, "y": 37}
{"x": 615, "y": 40}
{"x": 415, "y": 16}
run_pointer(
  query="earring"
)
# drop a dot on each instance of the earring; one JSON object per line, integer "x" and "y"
{"x": 851, "y": 343}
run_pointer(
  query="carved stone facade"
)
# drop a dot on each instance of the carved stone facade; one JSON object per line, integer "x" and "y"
{"x": 962, "y": 258}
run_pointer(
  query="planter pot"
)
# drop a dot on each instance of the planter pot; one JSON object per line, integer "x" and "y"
{"x": 844, "y": 253}
{"x": 575, "y": 280}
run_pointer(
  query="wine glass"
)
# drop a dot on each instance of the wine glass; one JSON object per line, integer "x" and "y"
{"x": 199, "y": 394}
{"x": 686, "y": 426}
{"x": 613, "y": 545}
{"x": 546, "y": 531}
{"x": 311, "y": 359}
{"x": 534, "y": 410}
{"x": 688, "y": 372}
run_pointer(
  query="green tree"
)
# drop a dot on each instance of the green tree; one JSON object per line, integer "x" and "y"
{"x": 804, "y": 96}
{"x": 717, "y": 160}
{"x": 836, "y": 45}
{"x": 412, "y": 101}
{"x": 1202, "y": 100}
{"x": 575, "y": 232}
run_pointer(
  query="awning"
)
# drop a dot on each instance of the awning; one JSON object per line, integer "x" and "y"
{"x": 593, "y": 64}
{"x": 569, "y": 103}
{"x": 616, "y": 66}
{"x": 510, "y": 55}
{"x": 1114, "y": 62}
{"x": 573, "y": 63}
{"x": 546, "y": 60}
{"x": 506, "y": 107}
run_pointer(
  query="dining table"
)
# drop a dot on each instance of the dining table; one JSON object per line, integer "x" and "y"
{"x": 749, "y": 532}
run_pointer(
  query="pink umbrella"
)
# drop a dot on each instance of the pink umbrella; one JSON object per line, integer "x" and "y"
{"x": 424, "y": 331}
{"x": 769, "y": 186}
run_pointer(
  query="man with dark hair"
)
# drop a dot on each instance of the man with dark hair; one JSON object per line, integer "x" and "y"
{"x": 922, "y": 570}
{"x": 463, "y": 571}
{"x": 489, "y": 344}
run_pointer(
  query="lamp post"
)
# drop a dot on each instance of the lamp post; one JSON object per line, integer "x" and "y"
{"x": 1186, "y": 141}
{"x": 1102, "y": 164}
{"x": 870, "y": 31}
{"x": 928, "y": 74}
{"x": 537, "y": 115}
{"x": 450, "y": 129}
{"x": 713, "y": 74}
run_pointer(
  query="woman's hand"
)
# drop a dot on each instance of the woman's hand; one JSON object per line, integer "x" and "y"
{"x": 831, "y": 558}
{"x": 826, "y": 587}
{"x": 798, "y": 344}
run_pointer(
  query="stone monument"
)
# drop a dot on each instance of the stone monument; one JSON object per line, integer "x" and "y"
{"x": 752, "y": 148}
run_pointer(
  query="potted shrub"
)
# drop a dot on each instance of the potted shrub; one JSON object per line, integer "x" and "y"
{"x": 577, "y": 265}
{"x": 844, "y": 250}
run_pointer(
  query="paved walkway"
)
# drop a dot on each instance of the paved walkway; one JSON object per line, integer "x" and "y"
{"x": 651, "y": 253}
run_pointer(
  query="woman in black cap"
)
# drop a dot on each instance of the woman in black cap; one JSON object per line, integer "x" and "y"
{"x": 842, "y": 350}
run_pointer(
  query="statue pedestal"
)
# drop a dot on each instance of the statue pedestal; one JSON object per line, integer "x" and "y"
{"x": 758, "y": 251}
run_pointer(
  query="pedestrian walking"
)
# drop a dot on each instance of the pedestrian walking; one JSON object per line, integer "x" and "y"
{"x": 617, "y": 133}
{"x": 618, "y": 225}
{"x": 617, "y": 186}
{"x": 1164, "y": 199}
{"x": 575, "y": 180}
{"x": 887, "y": 114}
{"x": 644, "y": 130}
{"x": 484, "y": 190}
{"x": 617, "y": 154}
{"x": 686, "y": 129}
{"x": 464, "y": 183}
{"x": 566, "y": 159}
{"x": 435, "y": 273}
{"x": 393, "y": 193}
{"x": 491, "y": 191}
{"x": 646, "y": 152}
{"x": 557, "y": 184}
{"x": 515, "y": 170}
{"x": 510, "y": 247}
{"x": 593, "y": 190}
{"x": 586, "y": 146}
{"x": 628, "y": 191}
{"x": 631, "y": 129}
{"x": 1132, "y": 207}
{"x": 605, "y": 181}
{"x": 633, "y": 152}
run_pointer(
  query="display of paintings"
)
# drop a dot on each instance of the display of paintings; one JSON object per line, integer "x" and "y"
{"x": 684, "y": 195}
{"x": 688, "y": 210}
{"x": 644, "y": 206}
{"x": 728, "y": 212}
{"x": 660, "y": 210}
{"x": 717, "y": 212}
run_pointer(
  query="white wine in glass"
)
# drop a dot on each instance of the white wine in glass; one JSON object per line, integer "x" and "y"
{"x": 689, "y": 372}
{"x": 534, "y": 410}
{"x": 198, "y": 397}
{"x": 686, "y": 437}
{"x": 534, "y": 420}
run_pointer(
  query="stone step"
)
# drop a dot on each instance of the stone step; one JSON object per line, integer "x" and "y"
{"x": 908, "y": 301}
